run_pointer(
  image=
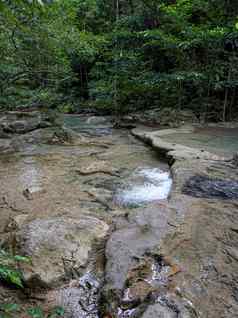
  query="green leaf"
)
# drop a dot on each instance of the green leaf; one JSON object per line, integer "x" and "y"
{"x": 57, "y": 312}
{"x": 8, "y": 308}
{"x": 24, "y": 259}
{"x": 35, "y": 312}
{"x": 11, "y": 275}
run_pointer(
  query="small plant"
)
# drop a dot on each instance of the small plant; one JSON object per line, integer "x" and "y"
{"x": 9, "y": 271}
{"x": 37, "y": 312}
{"x": 11, "y": 310}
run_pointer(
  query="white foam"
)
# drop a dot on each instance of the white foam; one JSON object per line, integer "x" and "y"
{"x": 157, "y": 187}
{"x": 154, "y": 174}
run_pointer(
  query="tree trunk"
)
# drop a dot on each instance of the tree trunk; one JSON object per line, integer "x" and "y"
{"x": 226, "y": 95}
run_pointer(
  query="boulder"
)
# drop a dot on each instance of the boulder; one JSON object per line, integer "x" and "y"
{"x": 166, "y": 117}
{"x": 18, "y": 123}
{"x": 174, "y": 117}
{"x": 159, "y": 311}
{"x": 22, "y": 122}
{"x": 98, "y": 167}
{"x": 6, "y": 146}
{"x": 80, "y": 298}
{"x": 126, "y": 246}
{"x": 60, "y": 248}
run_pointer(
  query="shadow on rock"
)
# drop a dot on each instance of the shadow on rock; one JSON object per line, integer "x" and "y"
{"x": 205, "y": 187}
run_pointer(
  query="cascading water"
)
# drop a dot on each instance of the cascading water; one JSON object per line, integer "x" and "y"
{"x": 154, "y": 184}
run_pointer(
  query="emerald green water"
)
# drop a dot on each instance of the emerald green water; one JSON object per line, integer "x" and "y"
{"x": 221, "y": 144}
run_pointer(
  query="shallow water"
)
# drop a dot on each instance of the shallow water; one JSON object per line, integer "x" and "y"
{"x": 222, "y": 142}
{"x": 92, "y": 126}
{"x": 50, "y": 174}
{"x": 142, "y": 177}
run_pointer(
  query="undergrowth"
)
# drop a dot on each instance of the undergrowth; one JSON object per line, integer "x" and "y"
{"x": 11, "y": 275}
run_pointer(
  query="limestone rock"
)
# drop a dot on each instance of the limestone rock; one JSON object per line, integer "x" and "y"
{"x": 98, "y": 167}
{"x": 17, "y": 122}
{"x": 174, "y": 151}
{"x": 167, "y": 116}
{"x": 80, "y": 298}
{"x": 159, "y": 311}
{"x": 127, "y": 245}
{"x": 6, "y": 146}
{"x": 60, "y": 247}
{"x": 16, "y": 222}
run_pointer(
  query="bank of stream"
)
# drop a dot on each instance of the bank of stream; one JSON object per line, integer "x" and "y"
{"x": 110, "y": 182}
{"x": 108, "y": 232}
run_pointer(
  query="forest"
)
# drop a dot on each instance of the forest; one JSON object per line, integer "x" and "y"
{"x": 118, "y": 158}
{"x": 118, "y": 56}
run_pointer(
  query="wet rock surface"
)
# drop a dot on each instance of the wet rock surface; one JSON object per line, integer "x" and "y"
{"x": 201, "y": 235}
{"x": 155, "y": 257}
{"x": 57, "y": 206}
{"x": 205, "y": 187}
{"x": 21, "y": 130}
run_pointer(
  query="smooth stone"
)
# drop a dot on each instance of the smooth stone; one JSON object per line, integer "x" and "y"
{"x": 159, "y": 311}
{"x": 59, "y": 247}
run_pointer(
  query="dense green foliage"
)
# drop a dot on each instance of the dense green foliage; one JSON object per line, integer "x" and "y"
{"x": 120, "y": 55}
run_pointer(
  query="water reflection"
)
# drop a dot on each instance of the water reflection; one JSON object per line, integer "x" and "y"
{"x": 31, "y": 175}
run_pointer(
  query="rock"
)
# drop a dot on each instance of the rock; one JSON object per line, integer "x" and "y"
{"x": 136, "y": 294}
{"x": 22, "y": 122}
{"x": 123, "y": 247}
{"x": 51, "y": 135}
{"x": 203, "y": 236}
{"x": 61, "y": 135}
{"x": 101, "y": 196}
{"x": 6, "y": 146}
{"x": 98, "y": 167}
{"x": 16, "y": 127}
{"x": 126, "y": 249}
{"x": 171, "y": 150}
{"x": 167, "y": 116}
{"x": 127, "y": 122}
{"x": 19, "y": 123}
{"x": 235, "y": 160}
{"x": 79, "y": 299}
{"x": 33, "y": 192}
{"x": 204, "y": 187}
{"x": 16, "y": 222}
{"x": 159, "y": 311}
{"x": 233, "y": 252}
{"x": 3, "y": 134}
{"x": 173, "y": 117}
{"x": 60, "y": 248}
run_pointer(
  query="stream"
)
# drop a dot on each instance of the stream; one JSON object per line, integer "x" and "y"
{"x": 92, "y": 207}
{"x": 109, "y": 175}
{"x": 108, "y": 234}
